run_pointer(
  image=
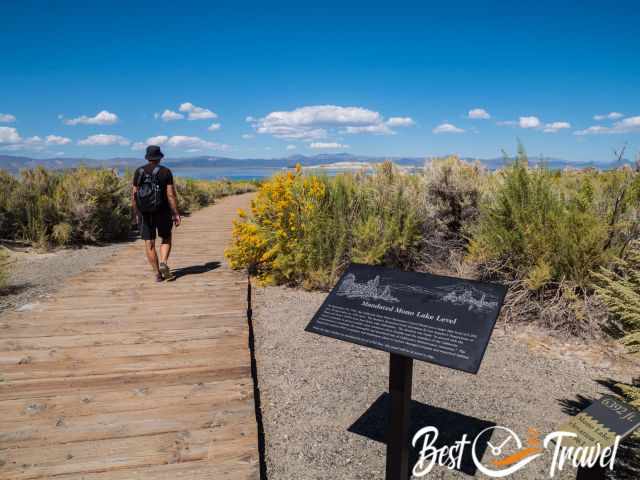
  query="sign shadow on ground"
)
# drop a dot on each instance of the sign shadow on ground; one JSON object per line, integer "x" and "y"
{"x": 374, "y": 423}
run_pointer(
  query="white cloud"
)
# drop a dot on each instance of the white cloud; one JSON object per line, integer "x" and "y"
{"x": 293, "y": 133}
{"x": 7, "y": 118}
{"x": 248, "y": 136}
{"x": 157, "y": 140}
{"x": 327, "y": 115}
{"x": 11, "y": 140}
{"x": 596, "y": 129}
{"x": 189, "y": 144}
{"x": 628, "y": 125}
{"x": 197, "y": 113}
{"x": 291, "y": 147}
{"x": 184, "y": 141}
{"x": 529, "y": 122}
{"x": 170, "y": 116}
{"x": 315, "y": 122}
{"x": 609, "y": 116}
{"x": 328, "y": 145}
{"x": 9, "y": 135}
{"x": 103, "y": 140}
{"x": 507, "y": 123}
{"x": 378, "y": 129}
{"x": 57, "y": 140}
{"x": 400, "y": 122}
{"x": 15, "y": 142}
{"x": 101, "y": 118}
{"x": 447, "y": 128}
{"x": 213, "y": 127}
{"x": 556, "y": 127}
{"x": 478, "y": 114}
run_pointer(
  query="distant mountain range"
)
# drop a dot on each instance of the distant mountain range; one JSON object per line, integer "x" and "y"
{"x": 16, "y": 163}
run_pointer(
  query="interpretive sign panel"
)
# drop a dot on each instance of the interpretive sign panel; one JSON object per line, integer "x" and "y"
{"x": 443, "y": 320}
{"x": 600, "y": 424}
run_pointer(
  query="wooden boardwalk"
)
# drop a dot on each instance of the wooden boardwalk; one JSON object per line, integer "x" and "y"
{"x": 118, "y": 377}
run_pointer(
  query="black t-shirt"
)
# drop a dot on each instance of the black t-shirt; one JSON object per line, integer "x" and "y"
{"x": 165, "y": 177}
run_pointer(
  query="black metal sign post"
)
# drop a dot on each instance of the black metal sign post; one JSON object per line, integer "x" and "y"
{"x": 441, "y": 320}
{"x": 400, "y": 377}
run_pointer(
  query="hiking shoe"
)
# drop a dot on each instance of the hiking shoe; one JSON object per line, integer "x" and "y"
{"x": 165, "y": 271}
{"x": 159, "y": 277}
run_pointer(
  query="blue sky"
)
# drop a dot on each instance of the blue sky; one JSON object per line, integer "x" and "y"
{"x": 270, "y": 79}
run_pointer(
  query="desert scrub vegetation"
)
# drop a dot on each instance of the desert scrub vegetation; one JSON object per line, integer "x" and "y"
{"x": 619, "y": 289}
{"x": 303, "y": 230}
{"x": 547, "y": 234}
{"x": 84, "y": 205}
{"x": 195, "y": 194}
{"x": 3, "y": 268}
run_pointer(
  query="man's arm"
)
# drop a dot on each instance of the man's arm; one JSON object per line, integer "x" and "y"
{"x": 134, "y": 205}
{"x": 173, "y": 203}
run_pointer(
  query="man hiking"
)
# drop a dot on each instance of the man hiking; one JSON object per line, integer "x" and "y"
{"x": 155, "y": 206}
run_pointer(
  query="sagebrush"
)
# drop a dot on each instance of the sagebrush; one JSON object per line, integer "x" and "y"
{"x": 546, "y": 233}
{"x": 85, "y": 205}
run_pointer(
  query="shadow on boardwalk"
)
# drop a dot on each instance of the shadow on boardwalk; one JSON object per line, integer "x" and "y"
{"x": 195, "y": 269}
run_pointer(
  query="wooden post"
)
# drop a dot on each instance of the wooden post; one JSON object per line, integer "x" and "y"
{"x": 400, "y": 377}
{"x": 594, "y": 473}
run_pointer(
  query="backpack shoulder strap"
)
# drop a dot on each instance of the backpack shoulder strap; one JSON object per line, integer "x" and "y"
{"x": 140, "y": 175}
{"x": 155, "y": 171}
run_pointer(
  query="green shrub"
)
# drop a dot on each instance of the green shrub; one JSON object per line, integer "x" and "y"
{"x": 619, "y": 288}
{"x": 533, "y": 230}
{"x": 85, "y": 205}
{"x": 4, "y": 273}
{"x": 388, "y": 228}
{"x": 453, "y": 191}
{"x": 195, "y": 194}
{"x": 304, "y": 229}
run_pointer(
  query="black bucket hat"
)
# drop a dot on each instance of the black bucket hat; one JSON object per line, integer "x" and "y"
{"x": 153, "y": 153}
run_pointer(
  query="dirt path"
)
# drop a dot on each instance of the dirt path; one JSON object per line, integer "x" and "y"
{"x": 34, "y": 276}
{"x": 117, "y": 377}
{"x": 324, "y": 412}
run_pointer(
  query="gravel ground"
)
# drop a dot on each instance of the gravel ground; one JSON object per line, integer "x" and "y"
{"x": 35, "y": 275}
{"x": 314, "y": 389}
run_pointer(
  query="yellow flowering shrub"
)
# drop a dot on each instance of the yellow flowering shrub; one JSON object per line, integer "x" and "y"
{"x": 304, "y": 229}
{"x": 269, "y": 244}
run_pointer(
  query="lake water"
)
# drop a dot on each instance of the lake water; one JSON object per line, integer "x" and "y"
{"x": 231, "y": 173}
{"x": 246, "y": 173}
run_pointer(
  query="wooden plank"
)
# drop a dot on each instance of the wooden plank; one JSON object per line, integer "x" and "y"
{"x": 135, "y": 423}
{"x": 133, "y": 338}
{"x": 115, "y": 377}
{"x": 126, "y": 398}
{"x": 235, "y": 463}
{"x": 47, "y": 387}
{"x": 113, "y": 454}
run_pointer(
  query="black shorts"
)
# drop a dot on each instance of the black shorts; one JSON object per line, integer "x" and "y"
{"x": 161, "y": 221}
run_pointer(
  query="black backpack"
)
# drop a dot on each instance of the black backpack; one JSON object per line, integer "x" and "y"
{"x": 149, "y": 197}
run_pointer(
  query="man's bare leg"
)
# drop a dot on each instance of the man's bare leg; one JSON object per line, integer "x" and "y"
{"x": 152, "y": 256}
{"x": 165, "y": 249}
